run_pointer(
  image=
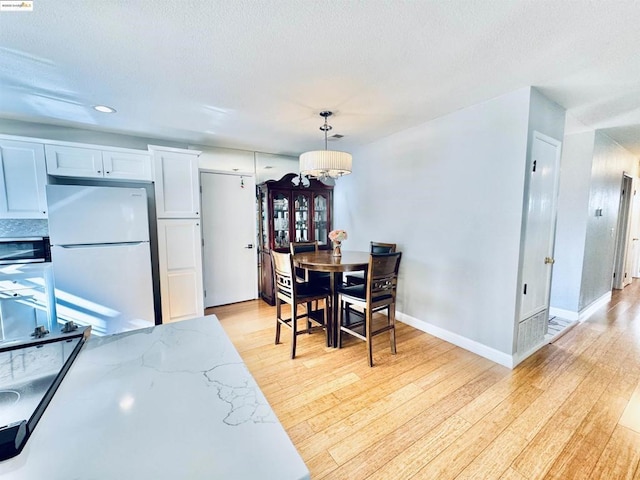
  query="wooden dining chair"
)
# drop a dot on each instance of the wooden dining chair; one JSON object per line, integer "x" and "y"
{"x": 357, "y": 278}
{"x": 291, "y": 291}
{"x": 377, "y": 294}
{"x": 303, "y": 275}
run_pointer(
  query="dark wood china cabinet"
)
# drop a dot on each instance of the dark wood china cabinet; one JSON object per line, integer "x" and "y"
{"x": 290, "y": 213}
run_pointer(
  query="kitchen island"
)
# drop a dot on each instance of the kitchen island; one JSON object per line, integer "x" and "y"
{"x": 172, "y": 402}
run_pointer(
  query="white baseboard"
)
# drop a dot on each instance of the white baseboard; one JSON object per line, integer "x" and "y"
{"x": 591, "y": 309}
{"x": 517, "y": 359}
{"x": 583, "y": 314}
{"x": 509, "y": 361}
{"x": 562, "y": 313}
{"x": 459, "y": 340}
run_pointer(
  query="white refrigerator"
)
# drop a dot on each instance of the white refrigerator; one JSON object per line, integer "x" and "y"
{"x": 101, "y": 257}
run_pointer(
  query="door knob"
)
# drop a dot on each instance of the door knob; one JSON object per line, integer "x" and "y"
{"x": 549, "y": 260}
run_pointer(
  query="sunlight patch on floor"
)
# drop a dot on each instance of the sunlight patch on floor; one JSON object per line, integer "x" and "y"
{"x": 631, "y": 415}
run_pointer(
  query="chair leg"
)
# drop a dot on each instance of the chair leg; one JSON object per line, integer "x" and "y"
{"x": 327, "y": 330}
{"x": 367, "y": 326}
{"x": 278, "y": 317}
{"x": 348, "y": 317}
{"x": 294, "y": 329}
{"x": 391, "y": 312}
{"x": 339, "y": 322}
{"x": 328, "y": 306}
{"x": 309, "y": 318}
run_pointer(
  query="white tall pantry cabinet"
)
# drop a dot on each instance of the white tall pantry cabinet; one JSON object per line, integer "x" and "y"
{"x": 177, "y": 194}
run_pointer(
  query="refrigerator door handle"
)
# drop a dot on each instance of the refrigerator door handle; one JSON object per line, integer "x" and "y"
{"x": 93, "y": 245}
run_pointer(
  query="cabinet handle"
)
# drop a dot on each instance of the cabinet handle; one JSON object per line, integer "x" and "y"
{"x": 99, "y": 171}
{"x": 107, "y": 173}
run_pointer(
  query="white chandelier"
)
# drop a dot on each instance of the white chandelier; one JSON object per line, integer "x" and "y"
{"x": 325, "y": 163}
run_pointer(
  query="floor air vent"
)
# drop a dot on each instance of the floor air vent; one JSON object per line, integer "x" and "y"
{"x": 531, "y": 331}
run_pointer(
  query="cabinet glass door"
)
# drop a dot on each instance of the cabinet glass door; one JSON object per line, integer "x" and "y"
{"x": 321, "y": 219}
{"x": 302, "y": 218}
{"x": 264, "y": 220}
{"x": 280, "y": 220}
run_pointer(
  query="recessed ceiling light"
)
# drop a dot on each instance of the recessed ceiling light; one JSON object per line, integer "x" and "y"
{"x": 104, "y": 109}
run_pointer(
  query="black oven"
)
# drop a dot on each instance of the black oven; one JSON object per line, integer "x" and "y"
{"x": 24, "y": 250}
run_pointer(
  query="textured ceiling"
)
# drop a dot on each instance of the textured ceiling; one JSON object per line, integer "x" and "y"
{"x": 254, "y": 74}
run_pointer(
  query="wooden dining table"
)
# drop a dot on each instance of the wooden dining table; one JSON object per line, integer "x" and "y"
{"x": 324, "y": 261}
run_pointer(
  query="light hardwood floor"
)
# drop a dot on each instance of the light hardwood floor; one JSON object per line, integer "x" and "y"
{"x": 435, "y": 411}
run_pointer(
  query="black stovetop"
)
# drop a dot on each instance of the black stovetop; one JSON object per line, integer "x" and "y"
{"x": 30, "y": 373}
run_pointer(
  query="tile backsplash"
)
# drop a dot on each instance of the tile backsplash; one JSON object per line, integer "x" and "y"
{"x": 23, "y": 228}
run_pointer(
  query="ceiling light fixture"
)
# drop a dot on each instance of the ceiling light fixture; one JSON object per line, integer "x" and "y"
{"x": 325, "y": 163}
{"x": 104, "y": 109}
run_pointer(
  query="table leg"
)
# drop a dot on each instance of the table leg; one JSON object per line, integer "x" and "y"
{"x": 336, "y": 279}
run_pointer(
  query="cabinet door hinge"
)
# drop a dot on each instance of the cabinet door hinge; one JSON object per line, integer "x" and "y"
{"x": 205, "y": 293}
{"x": 525, "y": 289}
{"x": 535, "y": 162}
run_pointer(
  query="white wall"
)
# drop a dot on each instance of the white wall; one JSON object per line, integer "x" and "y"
{"x": 610, "y": 161}
{"x": 449, "y": 193}
{"x": 573, "y": 212}
{"x": 274, "y": 167}
{"x": 80, "y": 135}
{"x": 226, "y": 160}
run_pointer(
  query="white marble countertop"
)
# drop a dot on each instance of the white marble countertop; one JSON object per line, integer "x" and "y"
{"x": 168, "y": 402}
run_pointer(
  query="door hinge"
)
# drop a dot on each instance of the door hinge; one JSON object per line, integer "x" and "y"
{"x": 535, "y": 162}
{"x": 614, "y": 274}
{"x": 202, "y": 242}
{"x": 205, "y": 293}
{"x": 200, "y": 188}
{"x": 525, "y": 289}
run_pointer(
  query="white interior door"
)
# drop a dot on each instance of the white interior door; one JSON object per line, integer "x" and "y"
{"x": 229, "y": 233}
{"x": 621, "y": 272}
{"x": 544, "y": 174}
{"x": 635, "y": 232}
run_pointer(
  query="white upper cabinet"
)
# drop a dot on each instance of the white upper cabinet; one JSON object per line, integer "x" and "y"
{"x": 127, "y": 166}
{"x": 23, "y": 177}
{"x": 177, "y": 184}
{"x": 73, "y": 162}
{"x": 64, "y": 161}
